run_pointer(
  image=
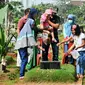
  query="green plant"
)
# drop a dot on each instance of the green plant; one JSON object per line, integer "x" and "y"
{"x": 14, "y": 75}
{"x": 9, "y": 59}
{"x": 65, "y": 74}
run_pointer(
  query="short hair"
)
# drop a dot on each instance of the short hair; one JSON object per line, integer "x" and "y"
{"x": 26, "y": 11}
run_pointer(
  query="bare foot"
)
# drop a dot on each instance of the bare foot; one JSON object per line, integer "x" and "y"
{"x": 78, "y": 76}
{"x": 81, "y": 76}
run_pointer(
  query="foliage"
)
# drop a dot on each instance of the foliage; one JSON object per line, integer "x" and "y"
{"x": 42, "y": 7}
{"x": 60, "y": 75}
{"x": 2, "y": 3}
{"x": 2, "y": 41}
{"x": 10, "y": 60}
{"x": 13, "y": 75}
{"x": 16, "y": 10}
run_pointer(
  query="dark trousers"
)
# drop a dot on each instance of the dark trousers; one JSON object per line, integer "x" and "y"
{"x": 55, "y": 50}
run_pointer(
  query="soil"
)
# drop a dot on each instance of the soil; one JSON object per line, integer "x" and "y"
{"x": 4, "y": 77}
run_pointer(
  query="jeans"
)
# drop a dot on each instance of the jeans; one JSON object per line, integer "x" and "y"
{"x": 80, "y": 63}
{"x": 24, "y": 59}
{"x": 55, "y": 50}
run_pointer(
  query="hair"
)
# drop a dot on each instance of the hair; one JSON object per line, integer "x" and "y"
{"x": 26, "y": 11}
{"x": 77, "y": 30}
{"x": 81, "y": 29}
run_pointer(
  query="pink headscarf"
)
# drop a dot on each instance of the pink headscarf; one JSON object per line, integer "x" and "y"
{"x": 43, "y": 17}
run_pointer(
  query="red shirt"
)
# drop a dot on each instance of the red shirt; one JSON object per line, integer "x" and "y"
{"x": 21, "y": 22}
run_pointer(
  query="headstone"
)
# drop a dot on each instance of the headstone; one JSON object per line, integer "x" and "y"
{"x": 50, "y": 64}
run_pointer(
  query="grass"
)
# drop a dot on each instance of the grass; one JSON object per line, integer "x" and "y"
{"x": 65, "y": 74}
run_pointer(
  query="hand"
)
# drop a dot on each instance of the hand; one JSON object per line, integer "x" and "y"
{"x": 68, "y": 52}
{"x": 50, "y": 28}
{"x": 58, "y": 44}
{"x": 76, "y": 48}
{"x": 41, "y": 48}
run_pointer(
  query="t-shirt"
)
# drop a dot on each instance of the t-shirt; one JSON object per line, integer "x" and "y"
{"x": 21, "y": 22}
{"x": 78, "y": 41}
{"x": 55, "y": 19}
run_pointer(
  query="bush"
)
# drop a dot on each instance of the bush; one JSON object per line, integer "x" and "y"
{"x": 65, "y": 74}
{"x": 10, "y": 60}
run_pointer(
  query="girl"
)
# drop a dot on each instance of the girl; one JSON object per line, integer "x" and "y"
{"x": 45, "y": 25}
{"x": 79, "y": 45}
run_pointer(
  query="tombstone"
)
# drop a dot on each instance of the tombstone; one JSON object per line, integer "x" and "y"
{"x": 50, "y": 64}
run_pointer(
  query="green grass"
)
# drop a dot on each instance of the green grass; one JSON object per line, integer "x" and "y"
{"x": 65, "y": 74}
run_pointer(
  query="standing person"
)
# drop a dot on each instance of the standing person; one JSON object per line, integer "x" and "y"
{"x": 26, "y": 40}
{"x": 20, "y": 25}
{"x": 33, "y": 57}
{"x": 23, "y": 20}
{"x": 67, "y": 33}
{"x": 55, "y": 25}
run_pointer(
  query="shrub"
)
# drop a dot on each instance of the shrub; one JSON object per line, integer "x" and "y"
{"x": 9, "y": 60}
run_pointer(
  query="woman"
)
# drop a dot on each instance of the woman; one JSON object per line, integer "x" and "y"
{"x": 79, "y": 45}
{"x": 67, "y": 33}
{"x": 26, "y": 40}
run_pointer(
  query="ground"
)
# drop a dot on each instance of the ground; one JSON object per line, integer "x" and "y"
{"x": 4, "y": 79}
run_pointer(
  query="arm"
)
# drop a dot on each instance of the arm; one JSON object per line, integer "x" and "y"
{"x": 69, "y": 50}
{"x": 19, "y": 26}
{"x": 68, "y": 39}
{"x": 54, "y": 25}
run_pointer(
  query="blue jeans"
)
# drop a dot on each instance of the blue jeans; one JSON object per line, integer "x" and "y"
{"x": 80, "y": 63}
{"x": 24, "y": 59}
{"x": 55, "y": 50}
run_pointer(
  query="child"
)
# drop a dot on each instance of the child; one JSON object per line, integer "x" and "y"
{"x": 46, "y": 26}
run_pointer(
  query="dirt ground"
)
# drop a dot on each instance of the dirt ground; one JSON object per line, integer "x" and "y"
{"x": 47, "y": 83}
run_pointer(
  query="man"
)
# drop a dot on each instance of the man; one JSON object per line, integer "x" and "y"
{"x": 54, "y": 22}
{"x": 20, "y": 25}
{"x": 23, "y": 20}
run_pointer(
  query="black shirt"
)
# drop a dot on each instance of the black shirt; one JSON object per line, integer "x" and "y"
{"x": 55, "y": 20}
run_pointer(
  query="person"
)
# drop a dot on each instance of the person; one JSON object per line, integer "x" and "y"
{"x": 22, "y": 20}
{"x": 55, "y": 25}
{"x": 29, "y": 41}
{"x": 82, "y": 29}
{"x": 20, "y": 25}
{"x": 67, "y": 33}
{"x": 44, "y": 18}
{"x": 79, "y": 45}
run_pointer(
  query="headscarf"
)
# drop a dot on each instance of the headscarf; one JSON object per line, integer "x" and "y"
{"x": 67, "y": 26}
{"x": 33, "y": 11}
